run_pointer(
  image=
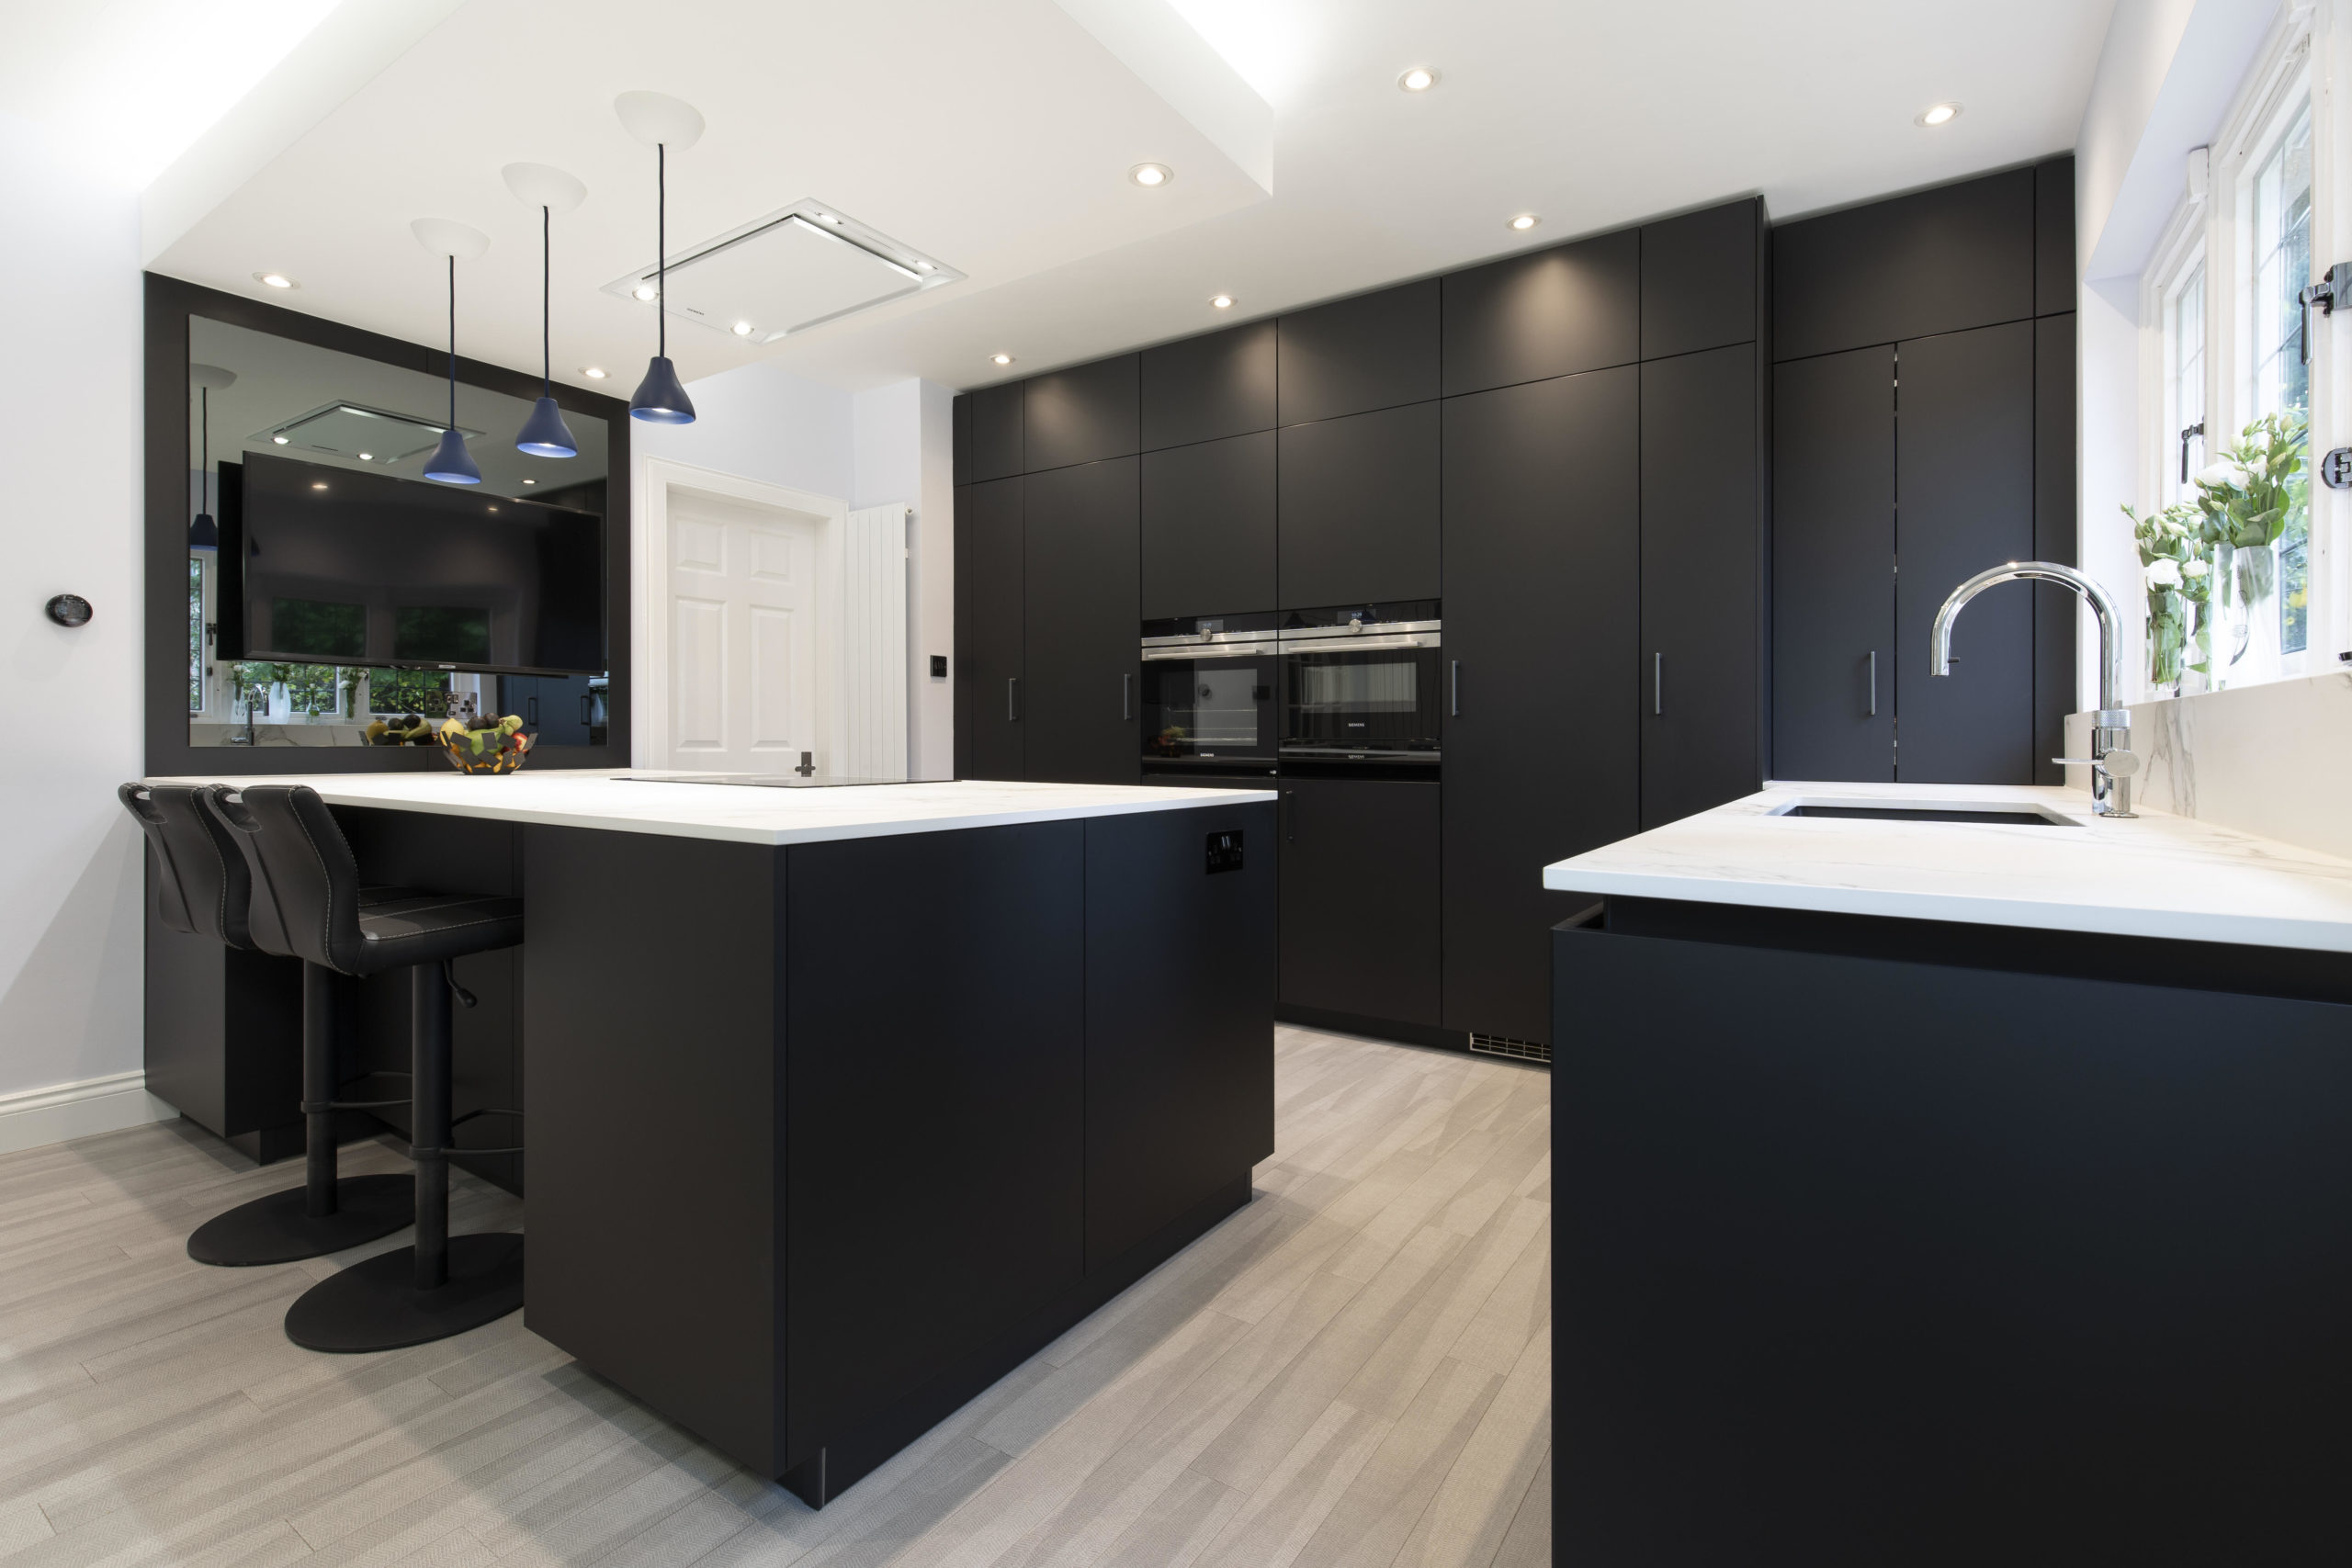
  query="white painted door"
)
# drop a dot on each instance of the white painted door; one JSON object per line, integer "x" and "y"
{"x": 743, "y": 611}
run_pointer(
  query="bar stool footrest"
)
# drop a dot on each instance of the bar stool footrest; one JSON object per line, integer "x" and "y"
{"x": 280, "y": 1228}
{"x": 375, "y": 1304}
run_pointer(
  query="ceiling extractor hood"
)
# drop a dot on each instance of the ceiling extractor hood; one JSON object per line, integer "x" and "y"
{"x": 352, "y": 430}
{"x": 787, "y": 272}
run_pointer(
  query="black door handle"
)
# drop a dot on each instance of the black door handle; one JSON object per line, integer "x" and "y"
{"x": 1127, "y": 697}
{"x": 1454, "y": 700}
{"x": 1289, "y": 816}
{"x": 585, "y": 701}
{"x": 531, "y": 709}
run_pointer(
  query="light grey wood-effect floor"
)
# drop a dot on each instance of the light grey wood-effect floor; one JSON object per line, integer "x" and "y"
{"x": 1353, "y": 1370}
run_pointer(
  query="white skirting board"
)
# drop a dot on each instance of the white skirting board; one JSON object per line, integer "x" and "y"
{"x": 37, "y": 1116}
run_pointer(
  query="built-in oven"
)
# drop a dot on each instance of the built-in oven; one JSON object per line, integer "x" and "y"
{"x": 1209, "y": 684}
{"x": 1360, "y": 684}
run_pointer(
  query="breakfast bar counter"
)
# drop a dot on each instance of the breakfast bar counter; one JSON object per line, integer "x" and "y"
{"x": 841, "y": 1101}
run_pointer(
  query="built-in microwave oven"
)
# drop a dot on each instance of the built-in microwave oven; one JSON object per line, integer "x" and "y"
{"x": 1360, "y": 684}
{"x": 1209, "y": 687}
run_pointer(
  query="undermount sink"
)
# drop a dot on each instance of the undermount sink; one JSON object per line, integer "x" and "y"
{"x": 1980, "y": 812}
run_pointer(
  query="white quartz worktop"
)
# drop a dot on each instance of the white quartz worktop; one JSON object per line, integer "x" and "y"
{"x": 624, "y": 802}
{"x": 2156, "y": 875}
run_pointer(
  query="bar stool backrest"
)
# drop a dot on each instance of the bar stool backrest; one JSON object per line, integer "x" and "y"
{"x": 202, "y": 887}
{"x": 305, "y": 879}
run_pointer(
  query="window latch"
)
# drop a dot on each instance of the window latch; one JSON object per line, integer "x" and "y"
{"x": 2334, "y": 287}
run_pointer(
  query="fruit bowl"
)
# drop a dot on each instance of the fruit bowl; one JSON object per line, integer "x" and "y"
{"x": 497, "y": 750}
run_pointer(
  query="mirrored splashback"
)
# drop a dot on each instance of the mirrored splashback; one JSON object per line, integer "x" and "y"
{"x": 336, "y": 597}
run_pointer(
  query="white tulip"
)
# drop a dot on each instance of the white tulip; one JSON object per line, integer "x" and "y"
{"x": 2164, "y": 574}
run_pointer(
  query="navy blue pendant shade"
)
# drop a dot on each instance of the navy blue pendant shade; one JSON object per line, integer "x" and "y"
{"x": 450, "y": 462}
{"x": 660, "y": 398}
{"x": 204, "y": 534}
{"x": 545, "y": 434}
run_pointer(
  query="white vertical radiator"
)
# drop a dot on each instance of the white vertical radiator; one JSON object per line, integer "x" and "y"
{"x": 874, "y": 643}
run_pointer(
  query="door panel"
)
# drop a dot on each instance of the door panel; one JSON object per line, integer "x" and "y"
{"x": 1372, "y": 352}
{"x": 1699, "y": 583}
{"x": 988, "y": 630}
{"x": 1699, "y": 279}
{"x": 1079, "y": 619}
{"x": 1205, "y": 388}
{"x": 1359, "y": 518}
{"x": 742, "y": 636}
{"x": 1964, "y": 502}
{"x": 1359, "y": 895}
{"x": 1541, "y": 551}
{"x": 1080, "y": 415}
{"x": 1833, "y": 566}
{"x": 1552, "y": 313}
{"x": 1943, "y": 260}
{"x": 1208, "y": 528}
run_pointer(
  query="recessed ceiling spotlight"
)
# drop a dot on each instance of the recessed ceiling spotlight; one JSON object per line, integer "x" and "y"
{"x": 530, "y": 481}
{"x": 1419, "y": 79}
{"x": 646, "y": 291}
{"x": 1525, "y": 222}
{"x": 1222, "y": 301}
{"x": 742, "y": 329}
{"x": 280, "y": 440}
{"x": 1150, "y": 174}
{"x": 274, "y": 280}
{"x": 366, "y": 456}
{"x": 1942, "y": 114}
{"x": 594, "y": 372}
{"x": 494, "y": 509}
{"x": 1000, "y": 360}
{"x": 318, "y": 484}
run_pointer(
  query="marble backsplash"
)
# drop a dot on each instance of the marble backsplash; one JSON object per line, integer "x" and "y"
{"x": 2273, "y": 760}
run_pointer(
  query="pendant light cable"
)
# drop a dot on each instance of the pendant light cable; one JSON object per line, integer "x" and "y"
{"x": 453, "y": 342}
{"x": 662, "y": 247}
{"x": 204, "y": 462}
{"x": 547, "y": 287}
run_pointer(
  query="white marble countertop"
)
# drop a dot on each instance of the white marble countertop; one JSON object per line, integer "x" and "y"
{"x": 622, "y": 801}
{"x": 2156, "y": 876}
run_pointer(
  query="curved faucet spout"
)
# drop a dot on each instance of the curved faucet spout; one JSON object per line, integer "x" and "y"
{"x": 2110, "y": 623}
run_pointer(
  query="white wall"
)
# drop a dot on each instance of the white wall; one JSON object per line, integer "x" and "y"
{"x": 759, "y": 423}
{"x": 70, "y": 425}
{"x": 906, "y": 452}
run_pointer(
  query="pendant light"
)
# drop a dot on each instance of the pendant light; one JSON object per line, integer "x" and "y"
{"x": 204, "y": 534}
{"x": 545, "y": 434}
{"x": 451, "y": 463}
{"x": 662, "y": 122}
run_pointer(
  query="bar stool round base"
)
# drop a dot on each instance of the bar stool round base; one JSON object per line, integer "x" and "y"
{"x": 277, "y": 1229}
{"x": 375, "y": 1305}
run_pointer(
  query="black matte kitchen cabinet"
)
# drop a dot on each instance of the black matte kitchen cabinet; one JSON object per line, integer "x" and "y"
{"x": 994, "y": 443}
{"x": 1079, "y": 611}
{"x": 1359, "y": 507}
{"x": 1701, "y": 274}
{"x": 1938, "y": 261}
{"x": 1964, "y": 485}
{"x": 1083, "y": 414}
{"x": 988, "y": 630}
{"x": 1833, "y": 567}
{"x": 2053, "y": 237}
{"x": 1203, "y": 387}
{"x": 2057, "y": 611}
{"x": 1543, "y": 534}
{"x": 1552, "y": 312}
{"x": 1208, "y": 527}
{"x": 1359, "y": 899}
{"x": 1702, "y": 585}
{"x": 1372, "y": 352}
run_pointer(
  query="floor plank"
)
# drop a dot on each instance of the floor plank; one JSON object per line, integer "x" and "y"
{"x": 1352, "y": 1371}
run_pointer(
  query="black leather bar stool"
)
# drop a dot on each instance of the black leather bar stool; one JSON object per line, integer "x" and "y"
{"x": 204, "y": 888}
{"x": 307, "y": 898}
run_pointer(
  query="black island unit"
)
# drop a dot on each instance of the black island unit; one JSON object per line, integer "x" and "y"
{"x": 838, "y": 1103}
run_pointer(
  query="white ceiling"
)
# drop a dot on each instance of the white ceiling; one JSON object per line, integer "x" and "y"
{"x": 996, "y": 135}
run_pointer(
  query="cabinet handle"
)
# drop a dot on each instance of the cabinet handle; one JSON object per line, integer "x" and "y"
{"x": 585, "y": 701}
{"x": 531, "y": 709}
{"x": 1873, "y": 683}
{"x": 1126, "y": 699}
{"x": 1010, "y": 680}
{"x": 1454, "y": 706}
{"x": 1290, "y": 817}
{"x": 1657, "y": 684}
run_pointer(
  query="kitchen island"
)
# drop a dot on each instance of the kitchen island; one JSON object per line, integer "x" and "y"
{"x": 1967, "y": 1189}
{"x": 839, "y": 1102}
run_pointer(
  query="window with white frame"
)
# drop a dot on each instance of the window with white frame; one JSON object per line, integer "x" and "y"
{"x": 2228, "y": 347}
